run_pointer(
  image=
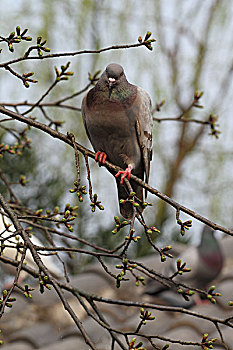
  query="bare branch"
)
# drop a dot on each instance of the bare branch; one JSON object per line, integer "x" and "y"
{"x": 88, "y": 153}
{"x": 71, "y": 54}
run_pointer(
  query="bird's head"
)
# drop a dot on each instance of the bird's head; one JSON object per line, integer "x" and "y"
{"x": 114, "y": 75}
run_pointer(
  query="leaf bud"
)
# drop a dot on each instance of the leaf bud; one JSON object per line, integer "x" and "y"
{"x": 18, "y": 30}
{"x": 153, "y": 228}
{"x": 26, "y": 84}
{"x": 12, "y": 34}
{"x": 56, "y": 209}
{"x": 70, "y": 228}
{"x": 67, "y": 214}
{"x": 11, "y": 48}
{"x": 132, "y": 194}
{"x": 211, "y": 289}
{"x": 190, "y": 292}
{"x": 163, "y": 258}
{"x": 117, "y": 220}
{"x": 178, "y": 263}
{"x": 205, "y": 336}
{"x": 148, "y": 34}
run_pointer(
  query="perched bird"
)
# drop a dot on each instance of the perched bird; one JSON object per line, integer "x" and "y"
{"x": 205, "y": 261}
{"x": 10, "y": 240}
{"x": 118, "y": 121}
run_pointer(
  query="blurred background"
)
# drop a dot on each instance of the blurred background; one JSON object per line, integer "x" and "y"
{"x": 193, "y": 51}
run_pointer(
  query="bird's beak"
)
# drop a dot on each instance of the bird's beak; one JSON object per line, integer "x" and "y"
{"x": 111, "y": 82}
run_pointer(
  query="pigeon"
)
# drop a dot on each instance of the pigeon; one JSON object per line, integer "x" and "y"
{"x": 10, "y": 240}
{"x": 206, "y": 263}
{"x": 118, "y": 121}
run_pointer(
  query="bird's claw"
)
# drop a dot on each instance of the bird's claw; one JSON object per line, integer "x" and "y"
{"x": 124, "y": 174}
{"x": 100, "y": 157}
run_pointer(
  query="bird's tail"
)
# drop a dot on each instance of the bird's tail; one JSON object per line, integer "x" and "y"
{"x": 127, "y": 209}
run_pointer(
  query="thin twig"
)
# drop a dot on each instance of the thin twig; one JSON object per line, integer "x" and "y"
{"x": 43, "y": 268}
{"x": 102, "y": 319}
{"x": 88, "y": 176}
{"x": 44, "y": 104}
{"x": 71, "y": 54}
{"x": 191, "y": 120}
{"x": 18, "y": 270}
{"x": 4, "y": 179}
{"x": 221, "y": 336}
{"x": 112, "y": 301}
{"x": 73, "y": 95}
{"x": 63, "y": 234}
{"x": 115, "y": 168}
{"x": 41, "y": 98}
{"x": 77, "y": 161}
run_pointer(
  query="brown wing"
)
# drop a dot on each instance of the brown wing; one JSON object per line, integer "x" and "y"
{"x": 144, "y": 125}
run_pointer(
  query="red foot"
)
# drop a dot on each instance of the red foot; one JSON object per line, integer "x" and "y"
{"x": 126, "y": 173}
{"x": 100, "y": 157}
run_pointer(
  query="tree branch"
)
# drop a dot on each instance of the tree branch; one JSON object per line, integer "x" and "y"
{"x": 43, "y": 268}
{"x": 71, "y": 54}
{"x": 115, "y": 168}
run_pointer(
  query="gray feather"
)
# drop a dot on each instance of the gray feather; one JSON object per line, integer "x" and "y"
{"x": 205, "y": 261}
{"x": 118, "y": 121}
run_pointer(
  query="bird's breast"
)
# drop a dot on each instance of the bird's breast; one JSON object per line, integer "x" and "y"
{"x": 109, "y": 123}
{"x": 112, "y": 130}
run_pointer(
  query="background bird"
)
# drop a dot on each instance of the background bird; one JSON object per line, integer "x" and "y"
{"x": 118, "y": 121}
{"x": 8, "y": 237}
{"x": 206, "y": 263}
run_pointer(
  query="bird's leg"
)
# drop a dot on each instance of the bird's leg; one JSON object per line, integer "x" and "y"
{"x": 125, "y": 173}
{"x": 100, "y": 157}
